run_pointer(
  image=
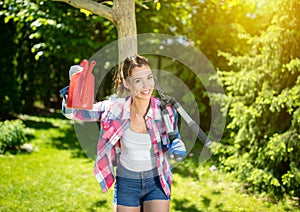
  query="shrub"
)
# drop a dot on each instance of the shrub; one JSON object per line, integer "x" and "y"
{"x": 12, "y": 135}
{"x": 262, "y": 91}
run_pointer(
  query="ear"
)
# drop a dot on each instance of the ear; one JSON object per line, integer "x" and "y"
{"x": 125, "y": 84}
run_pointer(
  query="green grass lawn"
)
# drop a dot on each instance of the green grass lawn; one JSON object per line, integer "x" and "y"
{"x": 57, "y": 176}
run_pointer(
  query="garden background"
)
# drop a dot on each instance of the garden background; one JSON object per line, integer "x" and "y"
{"x": 253, "y": 45}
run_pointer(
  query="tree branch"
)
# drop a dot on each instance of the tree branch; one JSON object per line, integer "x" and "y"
{"x": 93, "y": 7}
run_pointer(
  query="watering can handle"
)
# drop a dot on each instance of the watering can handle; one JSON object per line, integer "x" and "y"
{"x": 86, "y": 67}
{"x": 86, "y": 70}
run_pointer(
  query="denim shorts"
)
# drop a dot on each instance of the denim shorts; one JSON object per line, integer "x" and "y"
{"x": 133, "y": 188}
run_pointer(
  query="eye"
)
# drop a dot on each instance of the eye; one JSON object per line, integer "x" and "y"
{"x": 137, "y": 81}
{"x": 150, "y": 77}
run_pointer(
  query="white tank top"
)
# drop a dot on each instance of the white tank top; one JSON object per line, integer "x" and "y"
{"x": 137, "y": 152}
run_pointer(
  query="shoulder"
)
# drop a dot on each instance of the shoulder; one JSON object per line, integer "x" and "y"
{"x": 114, "y": 106}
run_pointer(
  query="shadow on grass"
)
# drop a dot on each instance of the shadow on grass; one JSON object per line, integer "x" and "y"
{"x": 82, "y": 139}
{"x": 69, "y": 142}
{"x": 183, "y": 205}
{"x": 98, "y": 204}
{"x": 39, "y": 124}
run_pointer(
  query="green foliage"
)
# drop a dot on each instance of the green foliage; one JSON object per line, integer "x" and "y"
{"x": 46, "y": 38}
{"x": 165, "y": 17}
{"x": 10, "y": 91}
{"x": 12, "y": 136}
{"x": 262, "y": 91}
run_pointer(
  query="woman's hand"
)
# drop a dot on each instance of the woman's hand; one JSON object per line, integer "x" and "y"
{"x": 74, "y": 69}
{"x": 177, "y": 149}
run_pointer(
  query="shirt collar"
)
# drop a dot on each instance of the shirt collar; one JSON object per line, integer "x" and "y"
{"x": 152, "y": 108}
{"x": 153, "y": 111}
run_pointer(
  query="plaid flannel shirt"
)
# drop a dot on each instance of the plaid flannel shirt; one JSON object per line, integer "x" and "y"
{"x": 114, "y": 115}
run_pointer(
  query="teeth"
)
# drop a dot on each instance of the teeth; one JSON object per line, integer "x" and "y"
{"x": 146, "y": 92}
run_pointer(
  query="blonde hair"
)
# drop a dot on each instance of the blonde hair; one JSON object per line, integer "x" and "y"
{"x": 125, "y": 71}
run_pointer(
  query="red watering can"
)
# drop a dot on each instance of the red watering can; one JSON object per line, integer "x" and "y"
{"x": 81, "y": 89}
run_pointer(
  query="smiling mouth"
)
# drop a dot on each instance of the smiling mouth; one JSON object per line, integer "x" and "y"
{"x": 146, "y": 92}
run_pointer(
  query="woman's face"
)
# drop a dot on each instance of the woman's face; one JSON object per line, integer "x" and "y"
{"x": 141, "y": 82}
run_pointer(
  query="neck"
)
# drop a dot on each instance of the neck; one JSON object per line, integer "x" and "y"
{"x": 140, "y": 106}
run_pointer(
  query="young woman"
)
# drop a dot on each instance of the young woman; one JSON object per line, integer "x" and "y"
{"x": 133, "y": 137}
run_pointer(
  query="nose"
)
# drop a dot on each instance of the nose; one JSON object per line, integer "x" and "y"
{"x": 148, "y": 84}
{"x": 145, "y": 84}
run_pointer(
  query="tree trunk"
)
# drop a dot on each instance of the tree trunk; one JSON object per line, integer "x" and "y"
{"x": 126, "y": 26}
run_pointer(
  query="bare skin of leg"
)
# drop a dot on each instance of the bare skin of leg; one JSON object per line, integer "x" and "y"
{"x": 121, "y": 208}
{"x": 156, "y": 206}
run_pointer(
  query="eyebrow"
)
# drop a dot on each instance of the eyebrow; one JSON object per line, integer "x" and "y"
{"x": 134, "y": 78}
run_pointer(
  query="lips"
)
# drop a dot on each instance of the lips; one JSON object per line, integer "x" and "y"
{"x": 146, "y": 92}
